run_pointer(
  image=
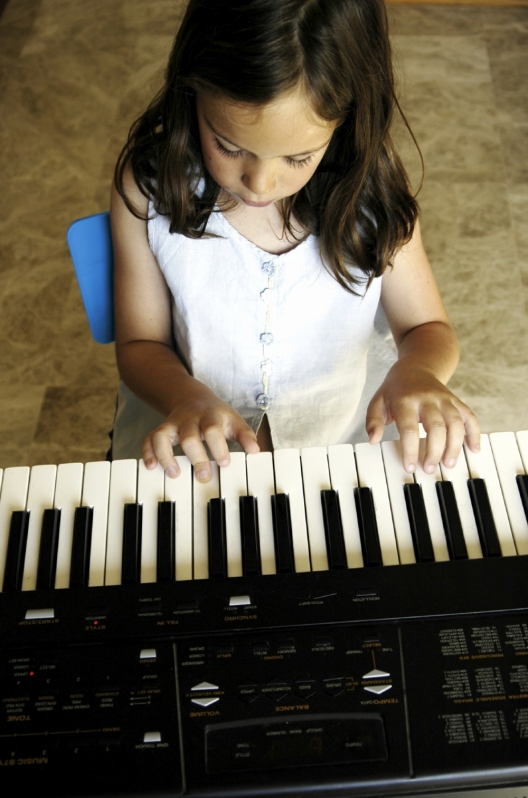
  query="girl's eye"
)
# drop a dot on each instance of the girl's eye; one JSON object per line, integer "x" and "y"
{"x": 304, "y": 162}
{"x": 227, "y": 153}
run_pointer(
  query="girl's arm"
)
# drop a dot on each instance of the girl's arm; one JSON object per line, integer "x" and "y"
{"x": 414, "y": 390}
{"x": 147, "y": 361}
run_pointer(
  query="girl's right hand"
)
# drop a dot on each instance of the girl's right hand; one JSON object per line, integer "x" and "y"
{"x": 199, "y": 416}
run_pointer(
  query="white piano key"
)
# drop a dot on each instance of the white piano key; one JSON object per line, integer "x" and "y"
{"x": 123, "y": 490}
{"x": 397, "y": 477}
{"x": 150, "y": 491}
{"x": 288, "y": 479}
{"x": 371, "y": 474}
{"x": 68, "y": 491}
{"x": 481, "y": 465}
{"x": 509, "y": 464}
{"x": 203, "y": 492}
{"x": 432, "y": 507}
{"x": 458, "y": 476}
{"x": 261, "y": 484}
{"x": 95, "y": 493}
{"x": 344, "y": 479}
{"x": 41, "y": 494}
{"x": 12, "y": 498}
{"x": 233, "y": 485}
{"x": 522, "y": 443}
{"x": 316, "y": 477}
{"x": 180, "y": 491}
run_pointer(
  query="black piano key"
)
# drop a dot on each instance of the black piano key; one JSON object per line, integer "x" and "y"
{"x": 131, "y": 558}
{"x": 250, "y": 536}
{"x": 16, "y": 551}
{"x": 489, "y": 540}
{"x": 165, "y": 563}
{"x": 522, "y": 484}
{"x": 81, "y": 547}
{"x": 217, "y": 538}
{"x": 421, "y": 535}
{"x": 282, "y": 534}
{"x": 368, "y": 527}
{"x": 451, "y": 520}
{"x": 335, "y": 542}
{"x": 49, "y": 542}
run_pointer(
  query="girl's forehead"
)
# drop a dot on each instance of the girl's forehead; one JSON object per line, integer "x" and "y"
{"x": 287, "y": 125}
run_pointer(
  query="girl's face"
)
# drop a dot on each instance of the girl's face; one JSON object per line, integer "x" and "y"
{"x": 260, "y": 155}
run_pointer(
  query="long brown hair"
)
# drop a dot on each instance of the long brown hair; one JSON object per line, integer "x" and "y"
{"x": 359, "y": 200}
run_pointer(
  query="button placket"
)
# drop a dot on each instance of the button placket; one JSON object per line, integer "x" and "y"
{"x": 268, "y": 296}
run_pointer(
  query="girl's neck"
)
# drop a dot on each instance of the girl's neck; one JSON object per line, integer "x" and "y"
{"x": 262, "y": 226}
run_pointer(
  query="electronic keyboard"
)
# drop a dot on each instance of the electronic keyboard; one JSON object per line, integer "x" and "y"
{"x": 313, "y": 622}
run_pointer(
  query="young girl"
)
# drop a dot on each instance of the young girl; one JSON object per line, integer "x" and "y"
{"x": 260, "y": 214}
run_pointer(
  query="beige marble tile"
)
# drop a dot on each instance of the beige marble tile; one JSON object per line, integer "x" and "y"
{"x": 19, "y": 411}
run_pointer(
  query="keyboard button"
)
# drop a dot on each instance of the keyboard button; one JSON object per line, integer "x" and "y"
{"x": 68, "y": 492}
{"x": 233, "y": 485}
{"x": 250, "y": 536}
{"x": 427, "y": 483}
{"x": 368, "y": 528}
{"x": 16, "y": 551}
{"x": 316, "y": 478}
{"x": 261, "y": 485}
{"x": 458, "y": 477}
{"x": 49, "y": 542}
{"x": 217, "y": 538}
{"x": 509, "y": 464}
{"x": 180, "y": 491}
{"x": 481, "y": 465}
{"x": 371, "y": 474}
{"x": 165, "y": 565}
{"x": 123, "y": 490}
{"x": 452, "y": 524}
{"x": 489, "y": 540}
{"x": 150, "y": 491}
{"x": 343, "y": 476}
{"x": 203, "y": 492}
{"x": 288, "y": 481}
{"x": 397, "y": 480}
{"x": 335, "y": 543}
{"x": 95, "y": 494}
{"x": 41, "y": 494}
{"x": 423, "y": 546}
{"x": 283, "y": 534}
{"x": 81, "y": 547}
{"x": 131, "y": 557}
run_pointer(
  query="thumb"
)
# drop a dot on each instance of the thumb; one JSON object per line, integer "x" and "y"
{"x": 377, "y": 417}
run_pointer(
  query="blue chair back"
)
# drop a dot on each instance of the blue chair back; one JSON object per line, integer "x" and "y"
{"x": 90, "y": 243}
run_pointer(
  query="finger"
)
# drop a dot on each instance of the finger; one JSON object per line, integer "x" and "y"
{"x": 248, "y": 441}
{"x": 436, "y": 437}
{"x": 216, "y": 441}
{"x": 472, "y": 427}
{"x": 456, "y": 432}
{"x": 407, "y": 425}
{"x": 377, "y": 418}
{"x": 157, "y": 448}
{"x": 191, "y": 442}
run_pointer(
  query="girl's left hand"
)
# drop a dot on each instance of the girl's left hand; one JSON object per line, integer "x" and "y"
{"x": 410, "y": 395}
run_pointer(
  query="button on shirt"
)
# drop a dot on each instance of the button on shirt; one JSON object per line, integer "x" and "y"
{"x": 272, "y": 334}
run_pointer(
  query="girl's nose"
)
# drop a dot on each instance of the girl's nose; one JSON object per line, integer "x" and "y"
{"x": 260, "y": 179}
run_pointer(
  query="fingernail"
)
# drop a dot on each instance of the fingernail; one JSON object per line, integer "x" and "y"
{"x": 149, "y": 462}
{"x": 410, "y": 467}
{"x": 429, "y": 469}
{"x": 172, "y": 473}
{"x": 202, "y": 476}
{"x": 223, "y": 463}
{"x": 451, "y": 462}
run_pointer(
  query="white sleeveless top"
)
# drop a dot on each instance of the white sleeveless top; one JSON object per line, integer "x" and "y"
{"x": 272, "y": 334}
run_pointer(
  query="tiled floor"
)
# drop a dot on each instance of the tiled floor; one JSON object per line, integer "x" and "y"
{"x": 73, "y": 76}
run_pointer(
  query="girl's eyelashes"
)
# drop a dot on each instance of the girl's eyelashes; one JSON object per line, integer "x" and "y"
{"x": 228, "y": 153}
{"x": 237, "y": 153}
